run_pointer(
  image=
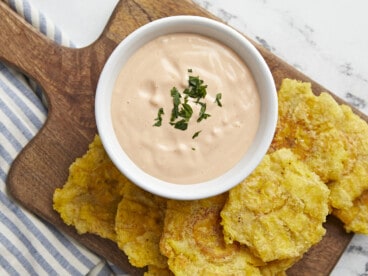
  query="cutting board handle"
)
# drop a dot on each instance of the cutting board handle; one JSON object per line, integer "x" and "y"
{"x": 33, "y": 56}
{"x": 40, "y": 58}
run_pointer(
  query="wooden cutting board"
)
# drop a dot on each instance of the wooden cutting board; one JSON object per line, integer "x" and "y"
{"x": 69, "y": 78}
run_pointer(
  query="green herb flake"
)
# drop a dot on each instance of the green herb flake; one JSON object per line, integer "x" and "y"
{"x": 195, "y": 135}
{"x": 196, "y": 89}
{"x": 181, "y": 124}
{"x": 186, "y": 111}
{"x": 190, "y": 70}
{"x": 202, "y": 113}
{"x": 158, "y": 120}
{"x": 176, "y": 102}
{"x": 218, "y": 99}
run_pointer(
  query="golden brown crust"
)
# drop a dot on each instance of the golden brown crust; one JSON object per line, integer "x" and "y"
{"x": 139, "y": 223}
{"x": 278, "y": 210}
{"x": 355, "y": 218}
{"x": 328, "y": 137}
{"x": 194, "y": 244}
{"x": 90, "y": 197}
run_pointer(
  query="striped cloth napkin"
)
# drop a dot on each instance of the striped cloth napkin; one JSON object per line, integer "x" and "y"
{"x": 28, "y": 245}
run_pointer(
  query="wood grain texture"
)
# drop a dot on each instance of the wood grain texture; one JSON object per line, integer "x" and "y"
{"x": 69, "y": 78}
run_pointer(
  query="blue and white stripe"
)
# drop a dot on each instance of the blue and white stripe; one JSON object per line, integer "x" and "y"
{"x": 39, "y": 21}
{"x": 28, "y": 245}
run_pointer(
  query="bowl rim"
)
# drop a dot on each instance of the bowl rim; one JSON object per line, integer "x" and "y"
{"x": 224, "y": 34}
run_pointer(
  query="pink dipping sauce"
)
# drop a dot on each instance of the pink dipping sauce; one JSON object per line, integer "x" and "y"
{"x": 144, "y": 85}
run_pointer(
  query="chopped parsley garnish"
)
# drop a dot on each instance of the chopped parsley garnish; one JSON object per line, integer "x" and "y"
{"x": 159, "y": 117}
{"x": 195, "y": 135}
{"x": 181, "y": 124}
{"x": 176, "y": 102}
{"x": 218, "y": 99}
{"x": 186, "y": 111}
{"x": 182, "y": 111}
{"x": 202, "y": 112}
{"x": 196, "y": 89}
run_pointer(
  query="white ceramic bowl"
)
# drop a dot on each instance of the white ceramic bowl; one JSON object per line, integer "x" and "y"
{"x": 254, "y": 61}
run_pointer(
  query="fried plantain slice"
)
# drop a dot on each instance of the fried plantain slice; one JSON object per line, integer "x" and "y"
{"x": 90, "y": 197}
{"x": 156, "y": 271}
{"x": 355, "y": 219}
{"x": 194, "y": 244}
{"x": 328, "y": 137}
{"x": 354, "y": 181}
{"x": 307, "y": 125}
{"x": 278, "y": 267}
{"x": 138, "y": 225}
{"x": 278, "y": 210}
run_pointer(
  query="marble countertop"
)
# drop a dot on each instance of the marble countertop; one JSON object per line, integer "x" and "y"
{"x": 326, "y": 40}
{"x": 322, "y": 39}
